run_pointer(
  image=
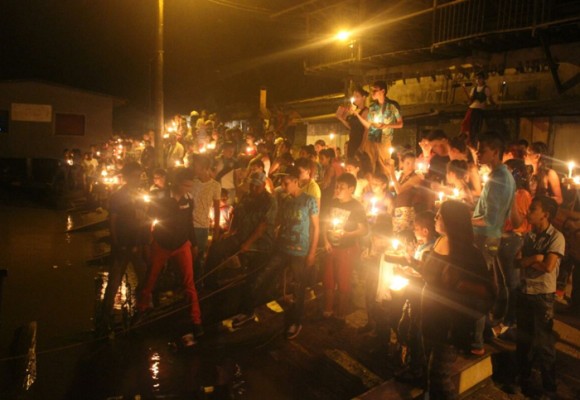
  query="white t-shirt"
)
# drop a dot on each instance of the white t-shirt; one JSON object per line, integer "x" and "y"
{"x": 204, "y": 194}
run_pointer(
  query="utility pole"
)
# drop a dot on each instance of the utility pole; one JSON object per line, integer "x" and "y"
{"x": 158, "y": 92}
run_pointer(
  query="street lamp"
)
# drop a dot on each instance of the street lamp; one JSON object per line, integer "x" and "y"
{"x": 159, "y": 123}
{"x": 343, "y": 36}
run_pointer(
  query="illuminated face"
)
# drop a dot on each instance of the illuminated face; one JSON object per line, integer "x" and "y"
{"x": 377, "y": 186}
{"x": 439, "y": 225}
{"x": 304, "y": 173}
{"x": 485, "y": 155}
{"x": 351, "y": 169}
{"x": 186, "y": 186}
{"x": 420, "y": 233}
{"x": 408, "y": 164}
{"x": 536, "y": 214}
{"x": 359, "y": 99}
{"x": 159, "y": 180}
{"x": 289, "y": 185}
{"x": 377, "y": 93}
{"x": 531, "y": 158}
{"x": 342, "y": 191}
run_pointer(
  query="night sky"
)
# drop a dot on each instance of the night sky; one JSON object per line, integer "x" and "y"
{"x": 214, "y": 55}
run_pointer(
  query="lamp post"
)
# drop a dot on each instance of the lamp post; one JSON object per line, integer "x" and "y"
{"x": 158, "y": 92}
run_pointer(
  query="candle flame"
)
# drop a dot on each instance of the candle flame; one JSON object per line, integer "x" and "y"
{"x": 396, "y": 243}
{"x": 398, "y": 283}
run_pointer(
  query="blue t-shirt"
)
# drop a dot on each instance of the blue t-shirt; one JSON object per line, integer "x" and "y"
{"x": 387, "y": 114}
{"x": 294, "y": 215}
{"x": 495, "y": 202}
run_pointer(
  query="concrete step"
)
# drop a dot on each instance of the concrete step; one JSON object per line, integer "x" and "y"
{"x": 468, "y": 375}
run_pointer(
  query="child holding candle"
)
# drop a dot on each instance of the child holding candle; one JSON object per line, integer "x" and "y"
{"x": 347, "y": 225}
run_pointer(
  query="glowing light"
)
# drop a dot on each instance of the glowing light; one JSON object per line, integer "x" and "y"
{"x": 342, "y": 164}
{"x": 332, "y": 136}
{"x": 377, "y": 119}
{"x": 374, "y": 209}
{"x": 70, "y": 161}
{"x": 421, "y": 167}
{"x": 98, "y": 153}
{"x": 571, "y": 166}
{"x": 177, "y": 163}
{"x": 104, "y": 172}
{"x": 456, "y": 193}
{"x": 577, "y": 180}
{"x": 352, "y": 100}
{"x": 485, "y": 178}
{"x": 146, "y": 198}
{"x": 441, "y": 197}
{"x": 343, "y": 35}
{"x": 155, "y": 222}
{"x": 120, "y": 147}
{"x": 335, "y": 223}
{"x": 166, "y": 136}
{"x": 249, "y": 150}
{"x": 391, "y": 151}
{"x": 211, "y": 146}
{"x": 396, "y": 243}
{"x": 203, "y": 149}
{"x": 398, "y": 283}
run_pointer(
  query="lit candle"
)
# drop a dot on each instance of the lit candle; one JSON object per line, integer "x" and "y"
{"x": 332, "y": 136}
{"x": 352, "y": 100}
{"x": 456, "y": 193}
{"x": 211, "y": 145}
{"x": 396, "y": 243}
{"x": 398, "y": 283}
{"x": 69, "y": 161}
{"x": 374, "y": 210}
{"x": 146, "y": 198}
{"x": 335, "y": 223}
{"x": 98, "y": 153}
{"x": 377, "y": 119}
{"x": 391, "y": 151}
{"x": 249, "y": 149}
{"x": 203, "y": 149}
{"x": 342, "y": 164}
{"x": 420, "y": 167}
{"x": 485, "y": 178}
{"x": 577, "y": 180}
{"x": 166, "y": 136}
{"x": 441, "y": 197}
{"x": 177, "y": 163}
{"x": 155, "y": 222}
{"x": 104, "y": 172}
{"x": 571, "y": 166}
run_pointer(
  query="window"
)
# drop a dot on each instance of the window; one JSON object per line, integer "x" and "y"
{"x": 69, "y": 124}
{"x": 4, "y": 116}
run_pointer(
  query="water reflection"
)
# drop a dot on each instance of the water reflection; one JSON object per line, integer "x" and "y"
{"x": 155, "y": 362}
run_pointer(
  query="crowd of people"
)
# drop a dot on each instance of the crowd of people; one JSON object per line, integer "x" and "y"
{"x": 456, "y": 242}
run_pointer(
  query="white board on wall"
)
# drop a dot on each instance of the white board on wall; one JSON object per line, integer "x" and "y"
{"x": 31, "y": 112}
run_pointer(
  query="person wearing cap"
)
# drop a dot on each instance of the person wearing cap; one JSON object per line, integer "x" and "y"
{"x": 127, "y": 221}
{"x": 382, "y": 118}
{"x": 298, "y": 232}
{"x": 251, "y": 230}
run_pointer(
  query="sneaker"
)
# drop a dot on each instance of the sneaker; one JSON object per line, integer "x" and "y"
{"x": 198, "y": 330}
{"x": 293, "y": 331}
{"x": 188, "y": 340}
{"x": 242, "y": 319}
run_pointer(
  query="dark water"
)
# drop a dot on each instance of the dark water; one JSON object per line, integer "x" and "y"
{"x": 48, "y": 282}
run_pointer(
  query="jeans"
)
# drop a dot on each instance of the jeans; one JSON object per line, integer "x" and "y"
{"x": 509, "y": 248}
{"x": 122, "y": 256}
{"x": 201, "y": 236}
{"x": 266, "y": 280}
{"x": 160, "y": 256}
{"x": 337, "y": 275}
{"x": 535, "y": 337}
